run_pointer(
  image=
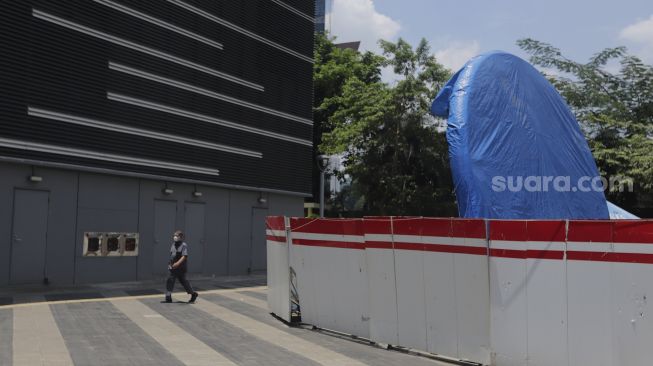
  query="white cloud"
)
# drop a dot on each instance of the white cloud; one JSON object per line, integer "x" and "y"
{"x": 358, "y": 20}
{"x": 641, "y": 34}
{"x": 641, "y": 31}
{"x": 457, "y": 53}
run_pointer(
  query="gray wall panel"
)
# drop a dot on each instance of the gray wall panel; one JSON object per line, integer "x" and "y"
{"x": 217, "y": 230}
{"x": 106, "y": 203}
{"x": 112, "y": 203}
{"x": 12, "y": 176}
{"x": 149, "y": 192}
{"x": 60, "y": 261}
{"x": 108, "y": 192}
{"x": 61, "y": 217}
{"x": 240, "y": 215}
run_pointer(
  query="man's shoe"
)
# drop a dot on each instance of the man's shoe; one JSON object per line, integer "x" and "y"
{"x": 193, "y": 297}
{"x": 168, "y": 299}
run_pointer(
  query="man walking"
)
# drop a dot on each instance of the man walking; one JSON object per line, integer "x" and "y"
{"x": 178, "y": 266}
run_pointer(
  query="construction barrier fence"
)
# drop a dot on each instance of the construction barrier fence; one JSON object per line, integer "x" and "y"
{"x": 495, "y": 292}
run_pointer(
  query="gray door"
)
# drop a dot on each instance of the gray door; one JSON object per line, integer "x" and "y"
{"x": 165, "y": 214}
{"x": 28, "y": 237}
{"x": 259, "y": 250}
{"x": 194, "y": 218}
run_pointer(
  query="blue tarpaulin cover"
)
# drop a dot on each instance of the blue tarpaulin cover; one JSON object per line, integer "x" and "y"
{"x": 507, "y": 124}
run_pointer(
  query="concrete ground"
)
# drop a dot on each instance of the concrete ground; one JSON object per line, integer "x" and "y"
{"x": 127, "y": 324}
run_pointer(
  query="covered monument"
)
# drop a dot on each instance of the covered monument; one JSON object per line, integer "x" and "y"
{"x": 516, "y": 150}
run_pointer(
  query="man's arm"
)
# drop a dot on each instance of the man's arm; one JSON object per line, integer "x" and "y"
{"x": 179, "y": 262}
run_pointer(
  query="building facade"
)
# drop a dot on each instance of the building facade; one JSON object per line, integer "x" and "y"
{"x": 320, "y": 16}
{"x": 121, "y": 121}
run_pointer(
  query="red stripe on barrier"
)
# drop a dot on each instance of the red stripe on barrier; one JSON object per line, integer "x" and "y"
{"x": 633, "y": 231}
{"x": 603, "y": 231}
{"x": 378, "y": 244}
{"x": 275, "y": 223}
{"x": 353, "y": 227}
{"x": 279, "y": 239}
{"x": 436, "y": 227}
{"x": 442, "y": 248}
{"x": 409, "y": 246}
{"x": 545, "y": 254}
{"x": 407, "y": 226}
{"x": 468, "y": 228}
{"x": 527, "y": 254}
{"x": 508, "y": 230}
{"x": 328, "y": 244}
{"x": 590, "y": 231}
{"x": 545, "y": 230}
{"x": 380, "y": 226}
{"x": 455, "y": 249}
{"x": 527, "y": 230}
{"x": 642, "y": 258}
{"x": 327, "y": 226}
{"x": 304, "y": 224}
{"x": 574, "y": 255}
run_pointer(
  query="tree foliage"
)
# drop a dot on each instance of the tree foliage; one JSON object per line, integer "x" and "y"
{"x": 393, "y": 151}
{"x": 615, "y": 110}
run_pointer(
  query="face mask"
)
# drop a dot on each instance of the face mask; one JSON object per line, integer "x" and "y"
{"x": 175, "y": 238}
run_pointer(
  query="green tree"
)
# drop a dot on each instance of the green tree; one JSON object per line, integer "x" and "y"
{"x": 394, "y": 153}
{"x": 615, "y": 111}
{"x": 333, "y": 67}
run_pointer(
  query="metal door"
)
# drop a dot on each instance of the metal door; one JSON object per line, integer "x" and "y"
{"x": 259, "y": 251}
{"x": 194, "y": 218}
{"x": 28, "y": 236}
{"x": 165, "y": 214}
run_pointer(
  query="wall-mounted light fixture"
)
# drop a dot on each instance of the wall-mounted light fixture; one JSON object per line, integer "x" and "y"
{"x": 197, "y": 193}
{"x": 34, "y": 178}
{"x": 167, "y": 191}
{"x": 262, "y": 199}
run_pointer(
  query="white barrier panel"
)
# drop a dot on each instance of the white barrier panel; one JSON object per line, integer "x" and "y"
{"x": 329, "y": 258}
{"x": 610, "y": 266}
{"x": 472, "y": 289}
{"x": 278, "y": 276}
{"x": 546, "y": 276}
{"x": 440, "y": 288}
{"x": 589, "y": 293}
{"x": 409, "y": 272}
{"x": 632, "y": 286}
{"x": 537, "y": 293}
{"x": 382, "y": 287}
{"x": 528, "y": 292}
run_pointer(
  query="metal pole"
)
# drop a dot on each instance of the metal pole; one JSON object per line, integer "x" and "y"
{"x": 322, "y": 193}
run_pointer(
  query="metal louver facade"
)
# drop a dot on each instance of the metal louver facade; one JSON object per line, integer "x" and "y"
{"x": 201, "y": 90}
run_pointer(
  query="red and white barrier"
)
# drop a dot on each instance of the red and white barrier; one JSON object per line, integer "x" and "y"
{"x": 503, "y": 292}
{"x": 328, "y": 257}
{"x": 610, "y": 270}
{"x": 528, "y": 292}
{"x": 278, "y": 267}
{"x": 381, "y": 277}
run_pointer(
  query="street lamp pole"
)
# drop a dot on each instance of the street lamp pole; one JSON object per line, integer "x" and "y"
{"x": 322, "y": 193}
{"x": 322, "y": 164}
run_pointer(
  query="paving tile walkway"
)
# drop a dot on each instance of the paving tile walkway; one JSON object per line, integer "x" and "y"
{"x": 37, "y": 339}
{"x": 130, "y": 325}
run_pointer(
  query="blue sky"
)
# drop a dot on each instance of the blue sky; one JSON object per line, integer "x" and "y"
{"x": 458, "y": 31}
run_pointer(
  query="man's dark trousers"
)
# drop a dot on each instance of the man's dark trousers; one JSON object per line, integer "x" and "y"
{"x": 181, "y": 276}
